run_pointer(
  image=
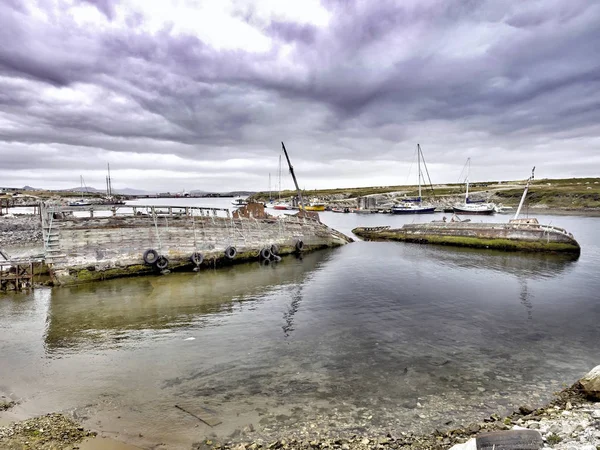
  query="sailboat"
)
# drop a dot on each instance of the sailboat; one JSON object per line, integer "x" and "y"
{"x": 473, "y": 206}
{"x": 81, "y": 202}
{"x": 414, "y": 205}
{"x": 281, "y": 205}
{"x": 110, "y": 199}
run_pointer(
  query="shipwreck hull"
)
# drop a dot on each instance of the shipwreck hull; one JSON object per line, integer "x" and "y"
{"x": 511, "y": 237}
{"x": 83, "y": 249}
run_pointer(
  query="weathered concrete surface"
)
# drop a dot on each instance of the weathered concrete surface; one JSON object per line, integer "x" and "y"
{"x": 86, "y": 249}
{"x": 501, "y": 236}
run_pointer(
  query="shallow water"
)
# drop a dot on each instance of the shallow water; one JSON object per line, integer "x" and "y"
{"x": 352, "y": 340}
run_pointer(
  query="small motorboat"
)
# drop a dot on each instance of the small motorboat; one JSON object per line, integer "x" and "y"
{"x": 282, "y": 206}
{"x": 239, "y": 202}
{"x": 80, "y": 203}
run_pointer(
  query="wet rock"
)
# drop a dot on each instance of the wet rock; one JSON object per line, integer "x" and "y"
{"x": 50, "y": 432}
{"x": 525, "y": 410}
{"x": 4, "y": 405}
{"x": 474, "y": 428}
{"x": 590, "y": 383}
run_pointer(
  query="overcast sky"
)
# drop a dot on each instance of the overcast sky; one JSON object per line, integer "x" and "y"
{"x": 198, "y": 94}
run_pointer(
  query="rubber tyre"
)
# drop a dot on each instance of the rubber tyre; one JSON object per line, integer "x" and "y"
{"x": 230, "y": 252}
{"x": 299, "y": 245}
{"x": 162, "y": 263}
{"x": 150, "y": 256}
{"x": 265, "y": 253}
{"x": 197, "y": 258}
{"x": 275, "y": 249}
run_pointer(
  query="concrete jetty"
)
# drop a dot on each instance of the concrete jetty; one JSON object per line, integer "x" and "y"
{"x": 87, "y": 243}
{"x": 516, "y": 235}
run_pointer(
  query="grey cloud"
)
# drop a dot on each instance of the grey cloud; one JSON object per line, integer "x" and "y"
{"x": 379, "y": 77}
{"x": 106, "y": 7}
{"x": 293, "y": 32}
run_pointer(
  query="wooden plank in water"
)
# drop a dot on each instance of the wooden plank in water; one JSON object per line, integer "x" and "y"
{"x": 201, "y": 413}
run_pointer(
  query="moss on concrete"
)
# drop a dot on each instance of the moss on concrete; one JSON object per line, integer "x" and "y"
{"x": 177, "y": 263}
{"x": 467, "y": 241}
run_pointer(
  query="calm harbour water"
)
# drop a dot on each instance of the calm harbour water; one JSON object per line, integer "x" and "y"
{"x": 370, "y": 337}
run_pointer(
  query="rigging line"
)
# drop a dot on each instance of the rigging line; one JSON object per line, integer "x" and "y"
{"x": 410, "y": 167}
{"x": 462, "y": 172}
{"x": 428, "y": 177}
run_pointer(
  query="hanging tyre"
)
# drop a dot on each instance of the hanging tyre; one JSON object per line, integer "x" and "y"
{"x": 265, "y": 253}
{"x": 299, "y": 245}
{"x": 162, "y": 263}
{"x": 150, "y": 256}
{"x": 230, "y": 252}
{"x": 275, "y": 249}
{"x": 197, "y": 258}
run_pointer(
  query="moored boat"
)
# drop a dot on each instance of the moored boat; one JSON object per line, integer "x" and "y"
{"x": 80, "y": 203}
{"x": 283, "y": 206}
{"x": 414, "y": 205}
{"x": 412, "y": 208}
{"x": 239, "y": 202}
{"x": 313, "y": 207}
{"x": 471, "y": 206}
{"x": 475, "y": 208}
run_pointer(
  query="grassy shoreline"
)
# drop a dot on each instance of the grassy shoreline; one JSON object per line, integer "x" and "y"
{"x": 572, "y": 194}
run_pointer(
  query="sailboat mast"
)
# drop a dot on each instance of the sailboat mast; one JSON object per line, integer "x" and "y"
{"x": 419, "y": 163}
{"x": 293, "y": 176}
{"x": 468, "y": 174}
{"x": 524, "y": 193}
{"x": 109, "y": 181}
{"x": 279, "y": 177}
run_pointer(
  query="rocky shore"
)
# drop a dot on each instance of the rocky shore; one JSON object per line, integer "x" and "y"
{"x": 18, "y": 230}
{"x": 570, "y": 422}
{"x": 49, "y": 432}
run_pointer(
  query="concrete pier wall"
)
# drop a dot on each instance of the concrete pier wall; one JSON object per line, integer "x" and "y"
{"x": 85, "y": 249}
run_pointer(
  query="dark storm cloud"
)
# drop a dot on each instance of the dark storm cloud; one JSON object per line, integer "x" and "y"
{"x": 106, "y": 7}
{"x": 293, "y": 32}
{"x": 471, "y": 74}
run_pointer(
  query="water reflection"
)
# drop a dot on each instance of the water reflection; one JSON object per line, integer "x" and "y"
{"x": 520, "y": 264}
{"x": 524, "y": 266}
{"x": 106, "y": 313}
